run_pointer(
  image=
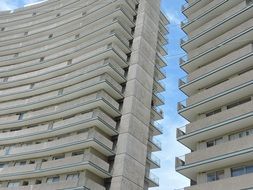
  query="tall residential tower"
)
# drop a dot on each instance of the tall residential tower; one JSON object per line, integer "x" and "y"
{"x": 219, "y": 87}
{"x": 79, "y": 91}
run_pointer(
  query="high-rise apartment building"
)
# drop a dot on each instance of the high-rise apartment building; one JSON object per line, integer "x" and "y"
{"x": 79, "y": 93}
{"x": 219, "y": 87}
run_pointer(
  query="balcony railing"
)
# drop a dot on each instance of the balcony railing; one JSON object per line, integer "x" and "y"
{"x": 152, "y": 177}
{"x": 159, "y": 96}
{"x": 187, "y": 5}
{"x": 181, "y": 131}
{"x": 184, "y": 40}
{"x": 154, "y": 159}
{"x": 181, "y": 105}
{"x": 155, "y": 142}
{"x": 182, "y": 81}
{"x": 180, "y": 161}
{"x": 183, "y": 59}
{"x": 159, "y": 111}
{"x": 156, "y": 125}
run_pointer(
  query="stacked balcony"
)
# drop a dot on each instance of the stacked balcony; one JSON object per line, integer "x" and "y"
{"x": 158, "y": 100}
{"x": 62, "y": 76}
{"x": 219, "y": 92}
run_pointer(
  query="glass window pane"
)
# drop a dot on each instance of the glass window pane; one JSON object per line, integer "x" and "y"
{"x": 210, "y": 143}
{"x": 211, "y": 177}
{"x": 218, "y": 141}
{"x": 237, "y": 171}
{"x": 219, "y": 175}
{"x": 249, "y": 169}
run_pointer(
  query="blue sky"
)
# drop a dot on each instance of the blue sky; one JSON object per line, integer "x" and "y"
{"x": 169, "y": 179}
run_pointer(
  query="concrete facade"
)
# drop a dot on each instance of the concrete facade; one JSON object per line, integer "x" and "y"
{"x": 218, "y": 84}
{"x": 79, "y": 94}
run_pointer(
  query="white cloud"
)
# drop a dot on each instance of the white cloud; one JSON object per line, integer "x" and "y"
{"x": 174, "y": 18}
{"x": 7, "y": 5}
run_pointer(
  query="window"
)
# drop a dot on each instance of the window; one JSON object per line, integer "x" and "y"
{"x": 77, "y": 153}
{"x": 59, "y": 157}
{"x": 214, "y": 142}
{"x": 5, "y": 79}
{"x": 69, "y": 62}
{"x": 21, "y": 163}
{"x": 241, "y": 134}
{"x": 44, "y": 160}
{"x": 21, "y": 115}
{"x": 13, "y": 184}
{"x": 77, "y": 36}
{"x": 239, "y": 103}
{"x": 72, "y": 176}
{"x": 32, "y": 162}
{"x": 213, "y": 112}
{"x": 25, "y": 183}
{"x": 241, "y": 170}
{"x": 214, "y": 176}
{"x": 31, "y": 86}
{"x": 237, "y": 171}
{"x": 38, "y": 181}
{"x": 53, "y": 179}
{"x": 42, "y": 59}
{"x": 60, "y": 92}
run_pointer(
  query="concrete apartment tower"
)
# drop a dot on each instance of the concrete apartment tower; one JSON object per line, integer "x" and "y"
{"x": 219, "y": 87}
{"x": 79, "y": 91}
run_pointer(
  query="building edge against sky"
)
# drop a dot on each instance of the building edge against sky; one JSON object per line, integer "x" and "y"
{"x": 218, "y": 84}
{"x": 79, "y": 94}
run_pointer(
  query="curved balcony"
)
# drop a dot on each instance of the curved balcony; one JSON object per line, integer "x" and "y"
{"x": 65, "y": 39}
{"x": 93, "y": 83}
{"x": 64, "y": 82}
{"x": 226, "y": 121}
{"x": 52, "y": 98}
{"x": 95, "y": 118}
{"x": 220, "y": 69}
{"x": 222, "y": 155}
{"x": 87, "y": 161}
{"x": 218, "y": 51}
{"x": 73, "y": 107}
{"x": 66, "y": 50}
{"x": 62, "y": 185}
{"x": 91, "y": 138}
{"x": 222, "y": 94}
{"x": 67, "y": 19}
{"x": 223, "y": 23}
